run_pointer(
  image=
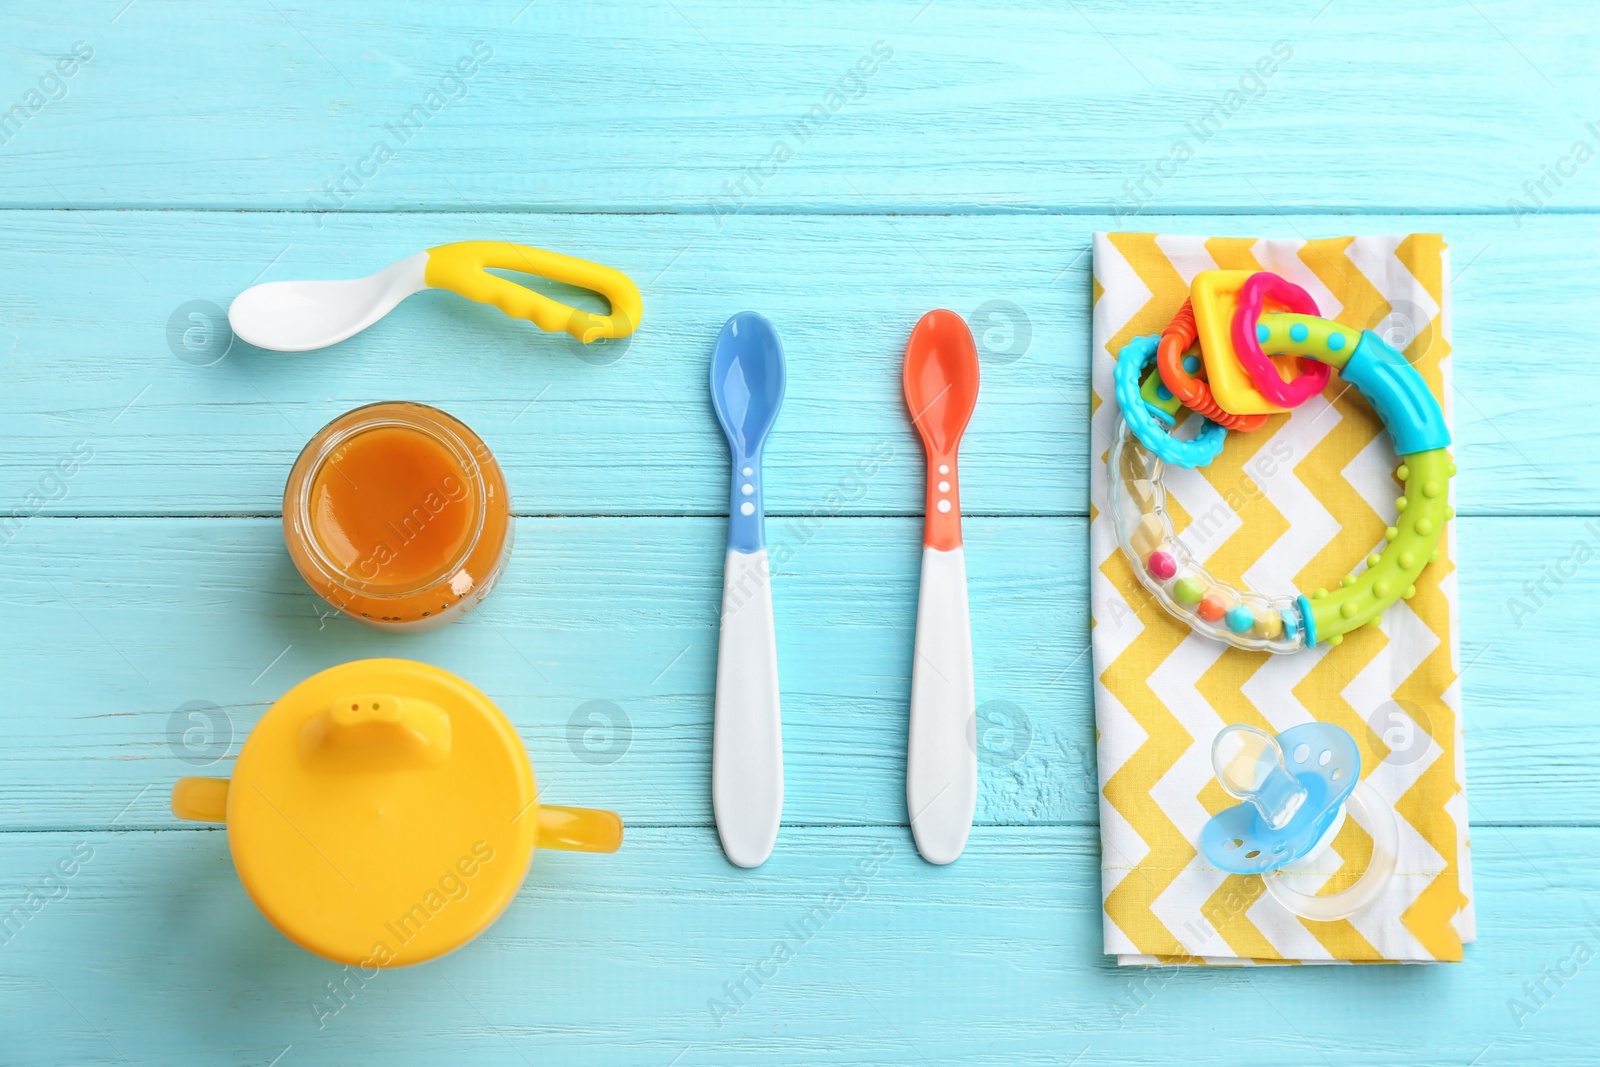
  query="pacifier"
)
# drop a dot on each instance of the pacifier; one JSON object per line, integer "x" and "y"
{"x": 1294, "y": 806}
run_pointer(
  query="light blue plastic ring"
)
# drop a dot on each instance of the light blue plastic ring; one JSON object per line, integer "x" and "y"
{"x": 1197, "y": 452}
{"x": 1307, "y": 622}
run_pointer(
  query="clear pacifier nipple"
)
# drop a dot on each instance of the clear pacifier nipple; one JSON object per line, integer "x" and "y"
{"x": 1250, "y": 765}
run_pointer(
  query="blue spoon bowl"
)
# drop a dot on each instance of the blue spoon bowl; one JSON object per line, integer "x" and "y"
{"x": 747, "y": 381}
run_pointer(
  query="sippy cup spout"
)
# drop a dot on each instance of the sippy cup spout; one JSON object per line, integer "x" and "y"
{"x": 379, "y": 730}
{"x": 1250, "y": 765}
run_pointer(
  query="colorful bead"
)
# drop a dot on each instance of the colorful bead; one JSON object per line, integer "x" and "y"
{"x": 1188, "y": 591}
{"x": 1213, "y": 606}
{"x": 1269, "y": 625}
{"x": 1240, "y": 619}
{"x": 1161, "y": 565}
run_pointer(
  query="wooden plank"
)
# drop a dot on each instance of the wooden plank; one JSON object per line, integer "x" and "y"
{"x": 114, "y": 626}
{"x": 154, "y": 954}
{"x": 681, "y": 107}
{"x": 85, "y": 319}
{"x": 968, "y": 171}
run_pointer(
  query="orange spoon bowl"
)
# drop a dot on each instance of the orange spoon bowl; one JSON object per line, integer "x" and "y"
{"x": 941, "y": 384}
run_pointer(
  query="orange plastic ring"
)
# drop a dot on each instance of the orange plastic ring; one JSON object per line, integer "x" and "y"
{"x": 1191, "y": 392}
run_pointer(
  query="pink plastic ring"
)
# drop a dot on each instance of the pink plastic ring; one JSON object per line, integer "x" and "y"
{"x": 1263, "y": 372}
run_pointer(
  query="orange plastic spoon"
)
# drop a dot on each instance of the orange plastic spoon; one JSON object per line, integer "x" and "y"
{"x": 941, "y": 383}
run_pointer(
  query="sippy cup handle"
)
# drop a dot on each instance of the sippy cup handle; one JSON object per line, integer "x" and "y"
{"x": 579, "y": 829}
{"x": 201, "y": 799}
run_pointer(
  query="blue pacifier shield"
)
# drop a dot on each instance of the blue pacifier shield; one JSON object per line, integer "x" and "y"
{"x": 1319, "y": 759}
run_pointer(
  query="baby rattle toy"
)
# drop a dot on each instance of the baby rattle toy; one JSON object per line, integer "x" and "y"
{"x": 1242, "y": 385}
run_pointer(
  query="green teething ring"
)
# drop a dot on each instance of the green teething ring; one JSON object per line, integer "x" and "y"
{"x": 1416, "y": 425}
{"x": 1244, "y": 618}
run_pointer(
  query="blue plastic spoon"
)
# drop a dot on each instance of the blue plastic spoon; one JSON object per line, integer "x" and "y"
{"x": 747, "y": 379}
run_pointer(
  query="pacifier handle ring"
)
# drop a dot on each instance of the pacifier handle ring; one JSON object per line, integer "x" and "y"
{"x": 1377, "y": 818}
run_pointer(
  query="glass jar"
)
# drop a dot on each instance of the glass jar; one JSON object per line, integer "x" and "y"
{"x": 397, "y": 514}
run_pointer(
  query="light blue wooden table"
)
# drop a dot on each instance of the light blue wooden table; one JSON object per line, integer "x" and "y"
{"x": 192, "y": 151}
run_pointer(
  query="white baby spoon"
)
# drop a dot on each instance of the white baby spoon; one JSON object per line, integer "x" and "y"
{"x": 301, "y": 316}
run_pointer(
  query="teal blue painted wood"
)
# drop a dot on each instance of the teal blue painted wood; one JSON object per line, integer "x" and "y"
{"x": 173, "y": 437}
{"x": 968, "y": 171}
{"x": 155, "y": 956}
{"x": 987, "y": 107}
{"x": 625, "y": 613}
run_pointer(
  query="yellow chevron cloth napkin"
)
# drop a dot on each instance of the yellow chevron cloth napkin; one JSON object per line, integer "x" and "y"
{"x": 1293, "y": 506}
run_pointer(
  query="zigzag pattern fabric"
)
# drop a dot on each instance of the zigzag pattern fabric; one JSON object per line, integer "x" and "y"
{"x": 1294, "y": 506}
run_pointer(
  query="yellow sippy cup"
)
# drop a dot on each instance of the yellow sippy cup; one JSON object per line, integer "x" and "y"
{"x": 384, "y": 812}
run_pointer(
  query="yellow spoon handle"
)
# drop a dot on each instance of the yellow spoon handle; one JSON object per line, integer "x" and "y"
{"x": 579, "y": 829}
{"x": 460, "y": 267}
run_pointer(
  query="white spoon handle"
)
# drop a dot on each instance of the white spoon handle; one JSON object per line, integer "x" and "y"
{"x": 747, "y": 739}
{"x": 942, "y": 750}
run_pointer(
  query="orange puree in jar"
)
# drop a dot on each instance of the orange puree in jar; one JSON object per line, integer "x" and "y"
{"x": 397, "y": 514}
{"x": 392, "y": 506}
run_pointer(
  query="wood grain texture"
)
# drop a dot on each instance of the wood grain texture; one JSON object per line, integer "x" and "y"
{"x": 155, "y": 955}
{"x": 985, "y": 107}
{"x": 84, "y": 340}
{"x": 192, "y": 156}
{"x": 114, "y": 625}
